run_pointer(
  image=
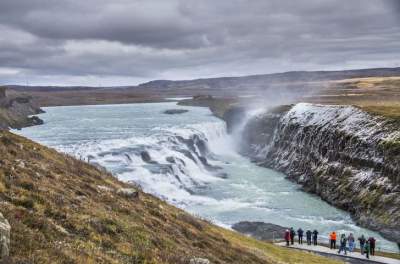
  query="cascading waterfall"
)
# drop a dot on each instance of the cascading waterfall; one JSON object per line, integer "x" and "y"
{"x": 173, "y": 163}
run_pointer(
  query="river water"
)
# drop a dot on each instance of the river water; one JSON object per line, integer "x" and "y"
{"x": 190, "y": 161}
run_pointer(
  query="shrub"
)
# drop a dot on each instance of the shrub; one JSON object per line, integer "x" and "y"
{"x": 27, "y": 203}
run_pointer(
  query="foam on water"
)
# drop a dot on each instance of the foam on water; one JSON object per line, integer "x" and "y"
{"x": 193, "y": 164}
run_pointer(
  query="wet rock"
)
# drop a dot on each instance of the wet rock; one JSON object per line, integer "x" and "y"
{"x": 175, "y": 111}
{"x": 170, "y": 159}
{"x": 260, "y": 230}
{"x": 35, "y": 121}
{"x": 200, "y": 144}
{"x": 207, "y": 165}
{"x": 5, "y": 230}
{"x": 146, "y": 157}
{"x": 222, "y": 175}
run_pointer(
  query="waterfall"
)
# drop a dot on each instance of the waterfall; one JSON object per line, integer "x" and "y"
{"x": 172, "y": 163}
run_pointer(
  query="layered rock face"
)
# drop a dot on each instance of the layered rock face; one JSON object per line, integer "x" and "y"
{"x": 346, "y": 156}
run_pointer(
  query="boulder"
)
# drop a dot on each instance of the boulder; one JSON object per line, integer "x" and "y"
{"x": 199, "y": 261}
{"x": 128, "y": 192}
{"x": 146, "y": 157}
{"x": 260, "y": 230}
{"x": 5, "y": 229}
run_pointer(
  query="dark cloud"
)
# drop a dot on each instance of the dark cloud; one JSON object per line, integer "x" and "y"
{"x": 125, "y": 41}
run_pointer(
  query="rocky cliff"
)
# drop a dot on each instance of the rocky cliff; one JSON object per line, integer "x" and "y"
{"x": 349, "y": 158}
{"x": 16, "y": 111}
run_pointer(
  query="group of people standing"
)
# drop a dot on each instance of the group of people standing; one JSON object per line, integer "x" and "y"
{"x": 346, "y": 243}
{"x": 367, "y": 246}
{"x": 311, "y": 236}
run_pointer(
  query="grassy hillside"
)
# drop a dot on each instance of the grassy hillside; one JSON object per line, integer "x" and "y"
{"x": 376, "y": 95}
{"x": 62, "y": 210}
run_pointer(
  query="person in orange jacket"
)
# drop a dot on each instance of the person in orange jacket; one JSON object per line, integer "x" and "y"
{"x": 332, "y": 238}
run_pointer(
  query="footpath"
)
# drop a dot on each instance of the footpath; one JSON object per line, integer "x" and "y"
{"x": 330, "y": 252}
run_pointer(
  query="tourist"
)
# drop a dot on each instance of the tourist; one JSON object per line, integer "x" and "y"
{"x": 372, "y": 245}
{"x": 308, "y": 236}
{"x": 292, "y": 235}
{"x": 351, "y": 242}
{"x": 332, "y": 238}
{"x": 362, "y": 241}
{"x": 287, "y": 237}
{"x": 367, "y": 249}
{"x": 300, "y": 233}
{"x": 315, "y": 237}
{"x": 343, "y": 242}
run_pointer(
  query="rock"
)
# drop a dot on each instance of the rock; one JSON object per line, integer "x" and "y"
{"x": 21, "y": 164}
{"x": 35, "y": 121}
{"x": 175, "y": 111}
{"x": 260, "y": 230}
{"x": 128, "y": 192}
{"x": 5, "y": 229}
{"x": 104, "y": 188}
{"x": 146, "y": 157}
{"x": 199, "y": 261}
{"x": 170, "y": 159}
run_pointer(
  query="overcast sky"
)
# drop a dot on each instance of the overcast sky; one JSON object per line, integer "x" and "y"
{"x": 122, "y": 42}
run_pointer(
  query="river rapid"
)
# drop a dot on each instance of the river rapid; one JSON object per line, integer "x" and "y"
{"x": 189, "y": 160}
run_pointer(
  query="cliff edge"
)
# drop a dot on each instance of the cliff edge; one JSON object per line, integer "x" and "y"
{"x": 348, "y": 157}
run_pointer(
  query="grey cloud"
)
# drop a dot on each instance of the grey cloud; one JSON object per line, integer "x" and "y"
{"x": 131, "y": 40}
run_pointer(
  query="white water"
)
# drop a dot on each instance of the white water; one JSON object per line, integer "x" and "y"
{"x": 116, "y": 135}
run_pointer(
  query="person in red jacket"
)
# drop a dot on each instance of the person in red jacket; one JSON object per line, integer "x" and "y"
{"x": 287, "y": 237}
{"x": 372, "y": 242}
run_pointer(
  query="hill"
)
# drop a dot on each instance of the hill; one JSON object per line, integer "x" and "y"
{"x": 287, "y": 84}
{"x": 62, "y": 210}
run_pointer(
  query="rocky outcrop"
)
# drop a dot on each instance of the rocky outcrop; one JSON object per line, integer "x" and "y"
{"x": 260, "y": 230}
{"x": 4, "y": 237}
{"x": 346, "y": 156}
{"x": 2, "y": 92}
{"x": 16, "y": 111}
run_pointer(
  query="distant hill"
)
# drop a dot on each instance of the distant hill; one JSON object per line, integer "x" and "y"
{"x": 263, "y": 80}
{"x": 296, "y": 83}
